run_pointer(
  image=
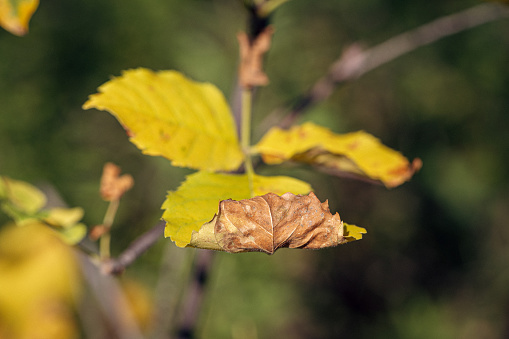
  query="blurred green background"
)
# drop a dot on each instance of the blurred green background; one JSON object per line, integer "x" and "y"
{"x": 434, "y": 263}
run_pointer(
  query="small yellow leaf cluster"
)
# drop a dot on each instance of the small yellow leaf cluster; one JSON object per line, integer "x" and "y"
{"x": 24, "y": 203}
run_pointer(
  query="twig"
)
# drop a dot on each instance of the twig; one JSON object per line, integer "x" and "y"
{"x": 355, "y": 62}
{"x": 137, "y": 248}
{"x": 111, "y": 300}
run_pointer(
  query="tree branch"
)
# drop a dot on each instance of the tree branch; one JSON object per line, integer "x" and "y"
{"x": 111, "y": 300}
{"x": 137, "y": 248}
{"x": 355, "y": 61}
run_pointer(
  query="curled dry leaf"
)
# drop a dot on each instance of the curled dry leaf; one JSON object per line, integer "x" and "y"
{"x": 251, "y": 58}
{"x": 113, "y": 186}
{"x": 268, "y": 222}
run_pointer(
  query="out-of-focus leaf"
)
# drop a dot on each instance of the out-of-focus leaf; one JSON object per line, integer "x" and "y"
{"x": 64, "y": 217}
{"x": 197, "y": 199}
{"x": 72, "y": 235}
{"x": 140, "y": 301}
{"x": 38, "y": 285}
{"x": 113, "y": 185}
{"x": 24, "y": 202}
{"x": 20, "y": 200}
{"x": 269, "y": 222}
{"x": 15, "y": 15}
{"x": 356, "y": 154}
{"x": 169, "y": 115}
{"x": 65, "y": 221}
{"x": 251, "y": 58}
{"x": 267, "y": 7}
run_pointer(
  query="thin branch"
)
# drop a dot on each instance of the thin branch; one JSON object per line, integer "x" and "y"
{"x": 137, "y": 248}
{"x": 112, "y": 302}
{"x": 355, "y": 61}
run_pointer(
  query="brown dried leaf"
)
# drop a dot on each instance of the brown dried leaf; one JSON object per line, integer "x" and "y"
{"x": 97, "y": 231}
{"x": 268, "y": 222}
{"x": 251, "y": 58}
{"x": 113, "y": 186}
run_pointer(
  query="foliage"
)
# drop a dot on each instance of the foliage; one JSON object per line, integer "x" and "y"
{"x": 24, "y": 204}
{"x": 423, "y": 236}
{"x": 357, "y": 153}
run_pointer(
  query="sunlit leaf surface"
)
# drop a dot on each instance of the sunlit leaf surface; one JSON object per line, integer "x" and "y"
{"x": 169, "y": 115}
{"x": 357, "y": 154}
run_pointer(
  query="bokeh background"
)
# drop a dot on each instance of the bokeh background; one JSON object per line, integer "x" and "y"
{"x": 434, "y": 263}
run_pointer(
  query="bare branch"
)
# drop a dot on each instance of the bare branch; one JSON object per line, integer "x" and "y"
{"x": 355, "y": 62}
{"x": 111, "y": 300}
{"x": 137, "y": 248}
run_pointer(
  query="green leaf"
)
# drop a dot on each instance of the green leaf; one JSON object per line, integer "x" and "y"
{"x": 20, "y": 200}
{"x": 267, "y": 7}
{"x": 169, "y": 115}
{"x": 197, "y": 200}
{"x": 15, "y": 15}
{"x": 73, "y": 234}
{"x": 356, "y": 154}
{"x": 65, "y": 221}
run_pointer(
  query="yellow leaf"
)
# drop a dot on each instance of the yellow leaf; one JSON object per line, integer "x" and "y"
{"x": 73, "y": 234}
{"x": 352, "y": 232}
{"x": 197, "y": 199}
{"x": 169, "y": 115}
{"x": 65, "y": 221}
{"x": 38, "y": 285}
{"x": 64, "y": 217}
{"x": 356, "y": 154}
{"x": 15, "y": 15}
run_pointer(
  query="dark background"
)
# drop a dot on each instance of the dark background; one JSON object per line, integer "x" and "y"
{"x": 434, "y": 261}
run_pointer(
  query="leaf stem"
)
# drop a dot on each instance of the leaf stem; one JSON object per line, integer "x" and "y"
{"x": 247, "y": 98}
{"x": 109, "y": 217}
